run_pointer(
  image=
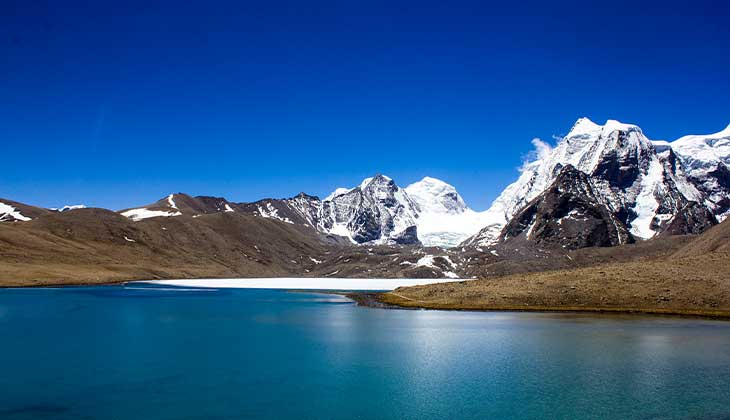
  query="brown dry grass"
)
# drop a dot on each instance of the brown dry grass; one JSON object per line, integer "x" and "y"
{"x": 697, "y": 285}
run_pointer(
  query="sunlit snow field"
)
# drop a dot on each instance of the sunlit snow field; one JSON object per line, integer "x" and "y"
{"x": 316, "y": 283}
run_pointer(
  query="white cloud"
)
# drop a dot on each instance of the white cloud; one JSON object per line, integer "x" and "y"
{"x": 542, "y": 150}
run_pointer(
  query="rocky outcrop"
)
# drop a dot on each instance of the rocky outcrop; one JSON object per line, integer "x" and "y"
{"x": 571, "y": 214}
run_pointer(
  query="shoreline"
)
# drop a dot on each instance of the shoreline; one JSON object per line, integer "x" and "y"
{"x": 383, "y": 299}
{"x": 386, "y": 300}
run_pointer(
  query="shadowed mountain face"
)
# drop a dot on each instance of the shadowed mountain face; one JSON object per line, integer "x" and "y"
{"x": 571, "y": 214}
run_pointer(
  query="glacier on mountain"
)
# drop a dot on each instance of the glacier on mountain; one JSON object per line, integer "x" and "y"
{"x": 444, "y": 219}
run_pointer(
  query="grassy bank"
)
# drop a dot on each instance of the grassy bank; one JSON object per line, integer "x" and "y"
{"x": 693, "y": 286}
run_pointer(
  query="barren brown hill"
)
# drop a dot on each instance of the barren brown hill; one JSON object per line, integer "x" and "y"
{"x": 87, "y": 246}
{"x": 715, "y": 239}
{"x": 95, "y": 245}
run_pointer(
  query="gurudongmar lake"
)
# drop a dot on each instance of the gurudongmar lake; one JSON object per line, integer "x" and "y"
{"x": 161, "y": 352}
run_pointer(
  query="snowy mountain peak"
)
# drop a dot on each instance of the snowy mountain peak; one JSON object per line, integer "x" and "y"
{"x": 706, "y": 158}
{"x": 614, "y": 125}
{"x": 584, "y": 126}
{"x": 379, "y": 181}
{"x": 701, "y": 153}
{"x": 704, "y": 151}
{"x": 720, "y": 134}
{"x": 337, "y": 192}
{"x": 365, "y": 183}
{"x": 435, "y": 196}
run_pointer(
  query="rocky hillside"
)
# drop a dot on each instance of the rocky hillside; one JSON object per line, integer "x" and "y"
{"x": 571, "y": 213}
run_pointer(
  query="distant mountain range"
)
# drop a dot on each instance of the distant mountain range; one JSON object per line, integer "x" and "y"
{"x": 601, "y": 185}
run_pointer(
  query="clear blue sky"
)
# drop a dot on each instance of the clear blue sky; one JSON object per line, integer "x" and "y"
{"x": 115, "y": 104}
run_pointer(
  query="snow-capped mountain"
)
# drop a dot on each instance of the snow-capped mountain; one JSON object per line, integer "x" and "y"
{"x": 646, "y": 190}
{"x": 435, "y": 196}
{"x": 706, "y": 159}
{"x": 444, "y": 219}
{"x": 378, "y": 211}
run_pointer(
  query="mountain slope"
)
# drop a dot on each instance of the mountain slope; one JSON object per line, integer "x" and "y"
{"x": 707, "y": 161}
{"x": 90, "y": 245}
{"x": 716, "y": 239}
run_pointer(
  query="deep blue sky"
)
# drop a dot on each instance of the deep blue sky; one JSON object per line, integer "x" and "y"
{"x": 116, "y": 104}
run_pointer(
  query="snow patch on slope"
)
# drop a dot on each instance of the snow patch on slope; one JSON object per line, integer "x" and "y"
{"x": 8, "y": 212}
{"x": 327, "y": 283}
{"x": 271, "y": 212}
{"x": 646, "y": 202}
{"x": 143, "y": 213}
{"x": 72, "y": 207}
{"x": 171, "y": 202}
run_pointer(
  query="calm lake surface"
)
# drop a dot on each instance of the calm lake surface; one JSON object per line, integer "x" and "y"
{"x": 149, "y": 352}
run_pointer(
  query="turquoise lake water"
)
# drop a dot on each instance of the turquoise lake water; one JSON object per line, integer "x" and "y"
{"x": 147, "y": 352}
